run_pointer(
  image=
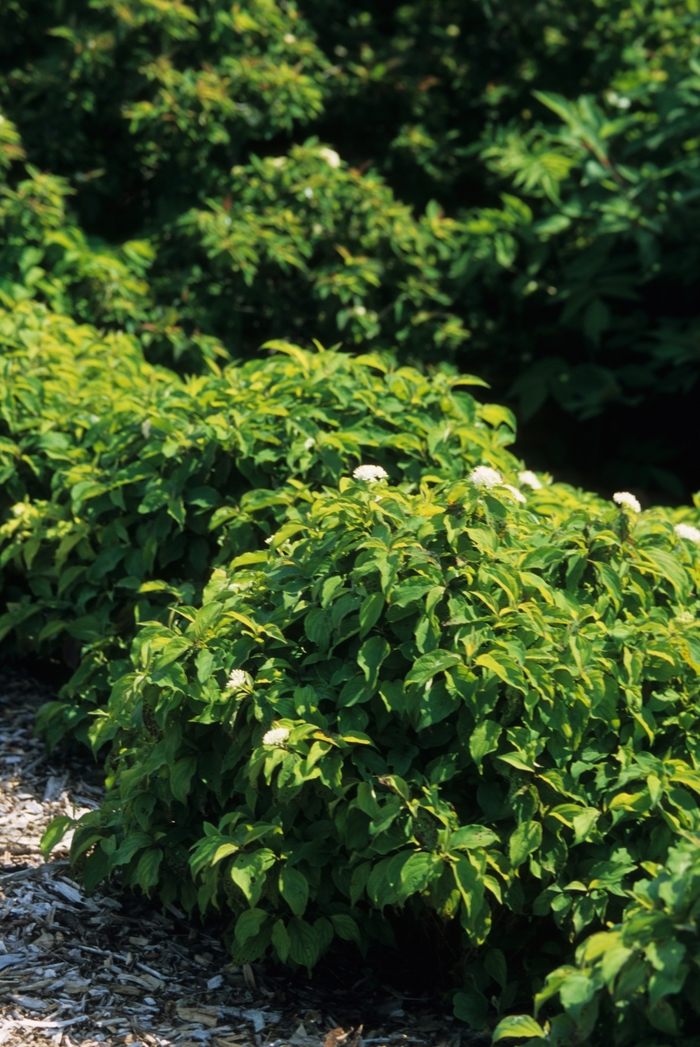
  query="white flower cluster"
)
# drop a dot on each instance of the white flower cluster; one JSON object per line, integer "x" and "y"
{"x": 485, "y": 476}
{"x": 626, "y": 500}
{"x": 237, "y": 679}
{"x": 276, "y": 736}
{"x": 330, "y": 156}
{"x": 370, "y": 473}
{"x": 146, "y": 427}
{"x": 688, "y": 531}
{"x": 529, "y": 478}
{"x": 518, "y": 495}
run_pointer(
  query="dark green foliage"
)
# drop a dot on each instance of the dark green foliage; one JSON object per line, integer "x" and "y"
{"x": 546, "y": 152}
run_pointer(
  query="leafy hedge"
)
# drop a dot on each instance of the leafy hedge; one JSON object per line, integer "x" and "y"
{"x": 328, "y": 690}
{"x": 123, "y": 484}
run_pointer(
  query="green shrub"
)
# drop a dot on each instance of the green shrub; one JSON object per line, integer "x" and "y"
{"x": 452, "y": 698}
{"x": 638, "y": 978}
{"x": 123, "y": 484}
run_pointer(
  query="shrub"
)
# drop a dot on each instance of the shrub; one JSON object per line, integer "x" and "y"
{"x": 124, "y": 485}
{"x": 445, "y": 698}
{"x": 638, "y": 978}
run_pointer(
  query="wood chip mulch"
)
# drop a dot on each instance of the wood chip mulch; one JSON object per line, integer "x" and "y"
{"x": 115, "y": 969}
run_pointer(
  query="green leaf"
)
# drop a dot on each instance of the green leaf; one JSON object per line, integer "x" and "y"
{"x": 345, "y": 927}
{"x": 471, "y": 837}
{"x": 416, "y": 873}
{"x": 526, "y": 839}
{"x": 147, "y": 869}
{"x": 503, "y": 666}
{"x": 181, "y": 777}
{"x": 204, "y": 662}
{"x": 304, "y": 943}
{"x": 172, "y": 651}
{"x": 371, "y": 656}
{"x": 495, "y": 965}
{"x": 125, "y": 852}
{"x": 370, "y": 612}
{"x": 54, "y": 833}
{"x": 484, "y": 740}
{"x": 471, "y": 1007}
{"x": 515, "y": 1027}
{"x": 248, "y": 924}
{"x": 430, "y": 664}
{"x": 280, "y": 940}
{"x": 294, "y": 888}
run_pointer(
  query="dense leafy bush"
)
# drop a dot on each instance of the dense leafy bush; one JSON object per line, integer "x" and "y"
{"x": 638, "y": 977}
{"x": 465, "y": 698}
{"x": 546, "y": 154}
{"x": 124, "y": 485}
{"x": 344, "y": 657}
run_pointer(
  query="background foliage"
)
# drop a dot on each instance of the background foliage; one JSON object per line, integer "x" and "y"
{"x": 507, "y": 186}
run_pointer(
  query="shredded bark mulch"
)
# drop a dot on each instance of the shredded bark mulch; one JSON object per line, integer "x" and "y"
{"x": 115, "y": 969}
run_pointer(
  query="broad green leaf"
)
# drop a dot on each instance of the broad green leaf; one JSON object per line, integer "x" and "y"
{"x": 370, "y": 612}
{"x": 181, "y": 777}
{"x": 526, "y": 839}
{"x": 147, "y": 869}
{"x": 470, "y": 837}
{"x": 304, "y": 943}
{"x": 519, "y": 1026}
{"x": 430, "y": 664}
{"x": 54, "y": 833}
{"x": 294, "y": 888}
{"x": 484, "y": 740}
{"x": 371, "y": 656}
{"x": 248, "y": 924}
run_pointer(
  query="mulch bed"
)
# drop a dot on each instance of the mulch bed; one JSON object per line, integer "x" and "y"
{"x": 115, "y": 969}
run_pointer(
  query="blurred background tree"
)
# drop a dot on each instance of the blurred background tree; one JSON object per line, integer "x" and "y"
{"x": 503, "y": 187}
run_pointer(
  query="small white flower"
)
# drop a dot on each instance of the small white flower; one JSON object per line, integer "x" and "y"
{"x": 624, "y": 498}
{"x": 688, "y": 531}
{"x": 370, "y": 473}
{"x": 277, "y": 736}
{"x": 529, "y": 478}
{"x": 308, "y": 192}
{"x": 237, "y": 679}
{"x": 308, "y": 444}
{"x": 289, "y": 38}
{"x": 485, "y": 476}
{"x": 518, "y": 495}
{"x": 146, "y": 428}
{"x": 330, "y": 156}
